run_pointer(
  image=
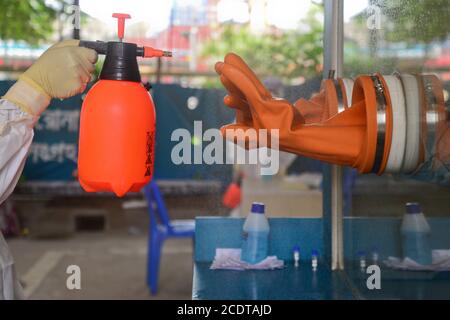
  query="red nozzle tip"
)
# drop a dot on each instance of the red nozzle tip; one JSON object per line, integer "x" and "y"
{"x": 150, "y": 52}
{"x": 121, "y": 23}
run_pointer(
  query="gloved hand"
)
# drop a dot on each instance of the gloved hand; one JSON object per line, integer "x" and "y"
{"x": 258, "y": 110}
{"x": 317, "y": 108}
{"x": 311, "y": 111}
{"x": 62, "y": 71}
{"x": 237, "y": 98}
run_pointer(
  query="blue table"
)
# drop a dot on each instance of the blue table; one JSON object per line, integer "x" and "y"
{"x": 403, "y": 285}
{"x": 303, "y": 283}
{"x": 289, "y": 283}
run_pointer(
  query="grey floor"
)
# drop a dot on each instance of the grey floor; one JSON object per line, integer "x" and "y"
{"x": 112, "y": 267}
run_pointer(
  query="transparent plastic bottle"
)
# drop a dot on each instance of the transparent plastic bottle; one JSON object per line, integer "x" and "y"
{"x": 416, "y": 235}
{"x": 362, "y": 260}
{"x": 255, "y": 236}
{"x": 375, "y": 255}
{"x": 296, "y": 252}
{"x": 314, "y": 259}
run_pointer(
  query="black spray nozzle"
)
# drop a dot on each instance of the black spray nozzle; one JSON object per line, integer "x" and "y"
{"x": 120, "y": 62}
{"x": 101, "y": 47}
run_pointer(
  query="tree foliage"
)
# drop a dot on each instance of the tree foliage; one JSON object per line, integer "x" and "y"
{"x": 287, "y": 54}
{"x": 412, "y": 21}
{"x": 416, "y": 21}
{"x": 27, "y": 20}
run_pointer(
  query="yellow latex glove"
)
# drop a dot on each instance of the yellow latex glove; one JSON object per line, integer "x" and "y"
{"x": 62, "y": 71}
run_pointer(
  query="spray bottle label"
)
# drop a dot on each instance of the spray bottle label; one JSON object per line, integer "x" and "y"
{"x": 149, "y": 152}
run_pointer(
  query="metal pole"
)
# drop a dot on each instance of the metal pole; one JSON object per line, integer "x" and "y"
{"x": 158, "y": 70}
{"x": 333, "y": 61}
{"x": 76, "y": 21}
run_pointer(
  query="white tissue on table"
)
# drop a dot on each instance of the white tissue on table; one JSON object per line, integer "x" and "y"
{"x": 440, "y": 262}
{"x": 231, "y": 259}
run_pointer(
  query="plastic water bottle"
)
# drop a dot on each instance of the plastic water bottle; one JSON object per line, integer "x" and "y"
{"x": 416, "y": 235}
{"x": 255, "y": 236}
{"x": 375, "y": 256}
{"x": 296, "y": 252}
{"x": 362, "y": 260}
{"x": 314, "y": 259}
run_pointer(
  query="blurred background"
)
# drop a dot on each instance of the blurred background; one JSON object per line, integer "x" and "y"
{"x": 50, "y": 218}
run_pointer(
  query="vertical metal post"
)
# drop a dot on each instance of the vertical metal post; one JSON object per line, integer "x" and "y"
{"x": 333, "y": 60}
{"x": 158, "y": 70}
{"x": 76, "y": 22}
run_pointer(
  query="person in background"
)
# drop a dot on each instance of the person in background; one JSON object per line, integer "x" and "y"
{"x": 62, "y": 71}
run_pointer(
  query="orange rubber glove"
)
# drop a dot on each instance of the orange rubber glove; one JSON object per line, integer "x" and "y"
{"x": 310, "y": 110}
{"x": 337, "y": 140}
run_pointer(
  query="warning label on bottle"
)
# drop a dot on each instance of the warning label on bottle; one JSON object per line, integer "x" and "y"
{"x": 149, "y": 154}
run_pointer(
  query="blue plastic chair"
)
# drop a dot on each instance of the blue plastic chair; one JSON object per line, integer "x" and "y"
{"x": 161, "y": 228}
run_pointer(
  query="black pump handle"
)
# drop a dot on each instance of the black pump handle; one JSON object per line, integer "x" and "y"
{"x": 99, "y": 46}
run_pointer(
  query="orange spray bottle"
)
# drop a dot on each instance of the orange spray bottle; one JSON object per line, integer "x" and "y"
{"x": 117, "y": 121}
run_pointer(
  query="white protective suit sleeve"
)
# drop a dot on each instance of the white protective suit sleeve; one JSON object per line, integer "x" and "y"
{"x": 16, "y": 135}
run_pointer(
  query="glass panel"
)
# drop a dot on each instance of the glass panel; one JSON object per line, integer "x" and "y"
{"x": 409, "y": 40}
{"x": 406, "y": 38}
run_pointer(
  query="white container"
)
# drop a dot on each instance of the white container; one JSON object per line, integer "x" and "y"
{"x": 416, "y": 235}
{"x": 255, "y": 235}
